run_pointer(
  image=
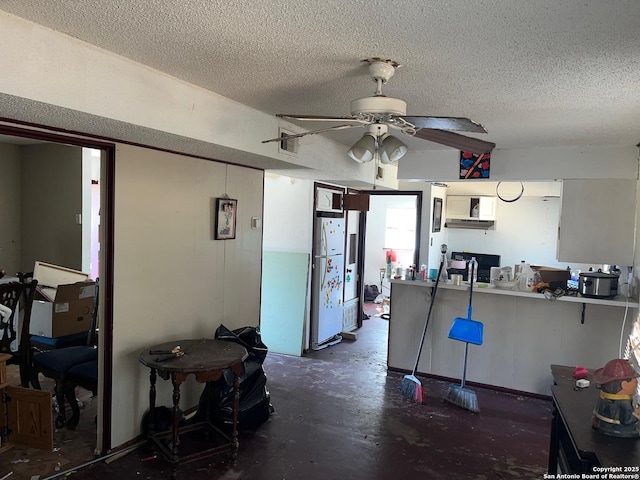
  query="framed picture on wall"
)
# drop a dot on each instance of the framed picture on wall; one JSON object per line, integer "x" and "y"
{"x": 437, "y": 214}
{"x": 225, "y": 221}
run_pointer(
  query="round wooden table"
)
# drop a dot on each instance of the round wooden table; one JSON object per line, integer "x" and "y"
{"x": 206, "y": 359}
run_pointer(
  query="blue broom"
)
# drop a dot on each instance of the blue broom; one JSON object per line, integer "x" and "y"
{"x": 411, "y": 387}
{"x": 468, "y": 331}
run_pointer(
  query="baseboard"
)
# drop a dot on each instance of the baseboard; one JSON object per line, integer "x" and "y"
{"x": 495, "y": 388}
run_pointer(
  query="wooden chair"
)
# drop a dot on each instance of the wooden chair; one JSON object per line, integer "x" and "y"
{"x": 56, "y": 364}
{"x": 14, "y": 298}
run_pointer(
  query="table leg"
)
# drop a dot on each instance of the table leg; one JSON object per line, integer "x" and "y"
{"x": 236, "y": 407}
{"x": 176, "y": 418}
{"x": 554, "y": 443}
{"x": 176, "y": 425}
{"x": 152, "y": 401}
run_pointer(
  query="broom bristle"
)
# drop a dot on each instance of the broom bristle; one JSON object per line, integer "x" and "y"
{"x": 463, "y": 397}
{"x": 419, "y": 396}
{"x": 409, "y": 387}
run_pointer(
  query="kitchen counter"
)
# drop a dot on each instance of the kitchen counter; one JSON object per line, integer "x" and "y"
{"x": 618, "y": 301}
{"x": 522, "y": 334}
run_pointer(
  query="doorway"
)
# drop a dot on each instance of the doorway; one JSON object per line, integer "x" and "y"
{"x": 391, "y": 226}
{"x": 62, "y": 210}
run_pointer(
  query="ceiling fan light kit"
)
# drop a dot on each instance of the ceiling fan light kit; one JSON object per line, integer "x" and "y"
{"x": 377, "y": 143}
{"x": 379, "y": 112}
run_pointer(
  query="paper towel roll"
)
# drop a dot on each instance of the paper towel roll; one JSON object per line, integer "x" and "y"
{"x": 458, "y": 264}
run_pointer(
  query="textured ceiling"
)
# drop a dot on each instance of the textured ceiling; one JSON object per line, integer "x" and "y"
{"x": 538, "y": 73}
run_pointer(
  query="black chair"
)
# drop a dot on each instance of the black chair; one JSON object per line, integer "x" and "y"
{"x": 84, "y": 375}
{"x": 16, "y": 297}
{"x": 56, "y": 364}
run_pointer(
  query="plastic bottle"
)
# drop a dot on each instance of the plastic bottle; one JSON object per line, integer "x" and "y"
{"x": 423, "y": 272}
{"x": 444, "y": 274}
{"x": 389, "y": 270}
{"x": 472, "y": 270}
{"x": 518, "y": 269}
{"x": 526, "y": 280}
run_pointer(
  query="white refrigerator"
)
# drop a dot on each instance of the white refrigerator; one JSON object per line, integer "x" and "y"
{"x": 328, "y": 271}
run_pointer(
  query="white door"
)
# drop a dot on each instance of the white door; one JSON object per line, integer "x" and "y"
{"x": 351, "y": 293}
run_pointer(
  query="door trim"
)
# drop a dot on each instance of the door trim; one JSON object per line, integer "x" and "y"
{"x": 107, "y": 205}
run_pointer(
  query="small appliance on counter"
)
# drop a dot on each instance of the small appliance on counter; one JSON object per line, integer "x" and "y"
{"x": 485, "y": 262}
{"x": 598, "y": 284}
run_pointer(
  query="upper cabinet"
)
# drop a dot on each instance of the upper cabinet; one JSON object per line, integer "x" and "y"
{"x": 597, "y": 221}
{"x": 463, "y": 207}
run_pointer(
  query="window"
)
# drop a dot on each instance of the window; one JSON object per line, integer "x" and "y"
{"x": 400, "y": 230}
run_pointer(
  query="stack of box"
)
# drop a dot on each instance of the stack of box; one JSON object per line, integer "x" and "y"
{"x": 555, "y": 277}
{"x": 64, "y": 301}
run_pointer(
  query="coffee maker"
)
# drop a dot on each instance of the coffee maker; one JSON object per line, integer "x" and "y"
{"x": 485, "y": 262}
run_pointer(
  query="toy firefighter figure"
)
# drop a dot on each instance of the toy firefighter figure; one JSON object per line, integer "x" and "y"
{"x": 614, "y": 413}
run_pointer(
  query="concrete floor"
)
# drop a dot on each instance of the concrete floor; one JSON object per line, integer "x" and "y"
{"x": 339, "y": 414}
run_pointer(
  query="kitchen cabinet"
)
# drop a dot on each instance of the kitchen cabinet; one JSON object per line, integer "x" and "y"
{"x": 26, "y": 416}
{"x": 460, "y": 207}
{"x": 487, "y": 208}
{"x": 597, "y": 221}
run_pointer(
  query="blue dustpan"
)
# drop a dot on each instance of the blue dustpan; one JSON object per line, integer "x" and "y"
{"x": 467, "y": 330}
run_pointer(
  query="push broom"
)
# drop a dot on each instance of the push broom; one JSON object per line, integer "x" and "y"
{"x": 411, "y": 387}
{"x": 468, "y": 331}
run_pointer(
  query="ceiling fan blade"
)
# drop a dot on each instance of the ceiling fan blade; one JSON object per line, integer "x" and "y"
{"x": 319, "y": 118}
{"x": 446, "y": 123}
{"x": 298, "y": 135}
{"x": 455, "y": 140}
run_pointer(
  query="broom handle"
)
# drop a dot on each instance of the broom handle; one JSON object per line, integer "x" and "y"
{"x": 466, "y": 344}
{"x": 426, "y": 323}
{"x": 464, "y": 369}
{"x": 470, "y": 294}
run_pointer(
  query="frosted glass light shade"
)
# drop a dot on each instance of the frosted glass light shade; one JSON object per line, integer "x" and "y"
{"x": 364, "y": 149}
{"x": 392, "y": 149}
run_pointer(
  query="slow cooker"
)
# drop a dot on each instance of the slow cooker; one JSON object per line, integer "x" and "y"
{"x": 598, "y": 284}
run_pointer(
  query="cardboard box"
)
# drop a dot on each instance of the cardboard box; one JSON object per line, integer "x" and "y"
{"x": 555, "y": 277}
{"x": 61, "y": 308}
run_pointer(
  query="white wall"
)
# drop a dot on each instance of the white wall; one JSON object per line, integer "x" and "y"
{"x": 171, "y": 279}
{"x": 524, "y": 230}
{"x": 431, "y": 241}
{"x": 119, "y": 89}
{"x": 288, "y": 208}
{"x": 288, "y": 228}
{"x": 534, "y": 164}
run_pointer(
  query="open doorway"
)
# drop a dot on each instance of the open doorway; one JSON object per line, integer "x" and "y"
{"x": 59, "y": 188}
{"x": 392, "y": 228}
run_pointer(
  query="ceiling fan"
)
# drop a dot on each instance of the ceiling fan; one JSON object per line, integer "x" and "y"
{"x": 378, "y": 113}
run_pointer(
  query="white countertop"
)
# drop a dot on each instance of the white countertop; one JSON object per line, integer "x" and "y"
{"x": 618, "y": 301}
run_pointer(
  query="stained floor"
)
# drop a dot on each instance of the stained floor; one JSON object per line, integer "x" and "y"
{"x": 339, "y": 414}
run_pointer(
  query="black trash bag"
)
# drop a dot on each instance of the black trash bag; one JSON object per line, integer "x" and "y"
{"x": 249, "y": 338}
{"x": 371, "y": 292}
{"x": 216, "y": 400}
{"x": 162, "y": 419}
